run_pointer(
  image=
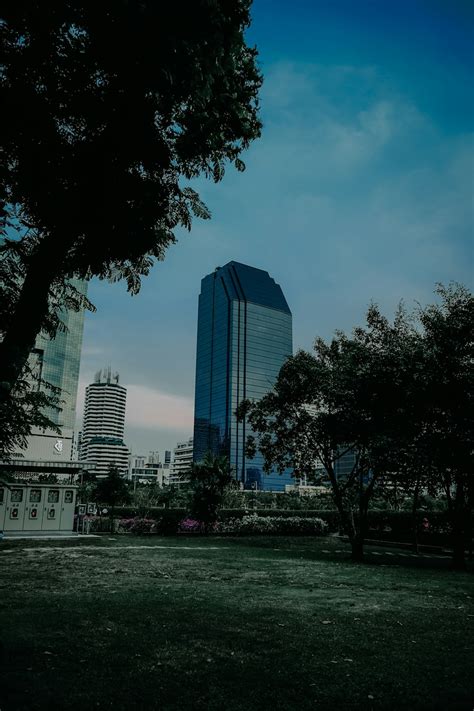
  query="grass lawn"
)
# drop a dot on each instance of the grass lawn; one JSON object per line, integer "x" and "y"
{"x": 231, "y": 624}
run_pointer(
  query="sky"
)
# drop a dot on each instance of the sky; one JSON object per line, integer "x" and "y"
{"x": 359, "y": 190}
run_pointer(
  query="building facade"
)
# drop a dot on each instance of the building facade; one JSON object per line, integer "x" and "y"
{"x": 104, "y": 424}
{"x": 57, "y": 361}
{"x": 244, "y": 337}
{"x": 182, "y": 460}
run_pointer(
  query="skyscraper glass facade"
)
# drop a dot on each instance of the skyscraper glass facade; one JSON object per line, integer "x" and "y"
{"x": 58, "y": 361}
{"x": 244, "y": 337}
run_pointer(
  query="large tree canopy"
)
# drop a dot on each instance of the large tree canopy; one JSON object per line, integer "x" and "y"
{"x": 393, "y": 399}
{"x": 109, "y": 109}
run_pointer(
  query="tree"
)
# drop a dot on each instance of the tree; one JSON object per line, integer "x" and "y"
{"x": 447, "y": 397}
{"x": 342, "y": 407}
{"x": 112, "y": 490}
{"x": 209, "y": 480}
{"x": 397, "y": 399}
{"x": 109, "y": 111}
{"x": 145, "y": 497}
{"x": 87, "y": 487}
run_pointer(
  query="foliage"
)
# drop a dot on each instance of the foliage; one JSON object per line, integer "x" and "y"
{"x": 112, "y": 490}
{"x": 131, "y": 102}
{"x": 23, "y": 409}
{"x": 32, "y": 399}
{"x": 394, "y": 398}
{"x": 144, "y": 498}
{"x": 342, "y": 402}
{"x": 174, "y": 496}
{"x": 208, "y": 482}
{"x": 269, "y": 525}
{"x": 448, "y": 399}
{"x": 138, "y": 526}
{"x": 86, "y": 490}
{"x": 190, "y": 525}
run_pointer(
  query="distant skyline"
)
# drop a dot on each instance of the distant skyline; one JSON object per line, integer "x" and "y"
{"x": 360, "y": 189}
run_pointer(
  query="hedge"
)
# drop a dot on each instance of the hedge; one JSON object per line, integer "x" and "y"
{"x": 387, "y": 525}
{"x": 247, "y": 525}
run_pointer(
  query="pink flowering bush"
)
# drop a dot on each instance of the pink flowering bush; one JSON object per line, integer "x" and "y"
{"x": 190, "y": 525}
{"x": 138, "y": 526}
{"x": 293, "y": 526}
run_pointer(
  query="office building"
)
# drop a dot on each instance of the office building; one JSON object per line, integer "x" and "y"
{"x": 136, "y": 461}
{"x": 157, "y": 474}
{"x": 104, "y": 424}
{"x": 57, "y": 361}
{"x": 182, "y": 460}
{"x": 244, "y": 337}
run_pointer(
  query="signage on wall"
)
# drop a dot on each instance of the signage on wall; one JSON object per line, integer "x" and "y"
{"x": 58, "y": 446}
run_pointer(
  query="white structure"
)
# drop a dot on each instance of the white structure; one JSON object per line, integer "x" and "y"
{"x": 151, "y": 474}
{"x": 136, "y": 461}
{"x": 104, "y": 424}
{"x": 154, "y": 457}
{"x": 182, "y": 460}
{"x": 37, "y": 507}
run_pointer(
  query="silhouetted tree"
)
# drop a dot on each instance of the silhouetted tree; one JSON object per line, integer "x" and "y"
{"x": 112, "y": 490}
{"x": 109, "y": 110}
{"x": 344, "y": 403}
{"x": 397, "y": 398}
{"x": 208, "y": 482}
{"x": 447, "y": 399}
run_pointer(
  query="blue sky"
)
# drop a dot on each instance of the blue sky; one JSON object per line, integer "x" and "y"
{"x": 360, "y": 189}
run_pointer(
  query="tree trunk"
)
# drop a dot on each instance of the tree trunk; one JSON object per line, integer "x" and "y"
{"x": 414, "y": 521}
{"x": 459, "y": 520}
{"x": 112, "y": 510}
{"x": 29, "y": 312}
{"x": 357, "y": 549}
{"x": 356, "y": 537}
{"x": 458, "y": 560}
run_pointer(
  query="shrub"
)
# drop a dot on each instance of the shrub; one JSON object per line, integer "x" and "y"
{"x": 298, "y": 525}
{"x": 190, "y": 525}
{"x": 268, "y": 525}
{"x": 138, "y": 526}
{"x": 332, "y": 518}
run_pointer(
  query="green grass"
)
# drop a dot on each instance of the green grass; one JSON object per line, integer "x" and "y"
{"x": 231, "y": 624}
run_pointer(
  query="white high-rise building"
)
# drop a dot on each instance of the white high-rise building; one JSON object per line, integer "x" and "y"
{"x": 104, "y": 424}
{"x": 182, "y": 460}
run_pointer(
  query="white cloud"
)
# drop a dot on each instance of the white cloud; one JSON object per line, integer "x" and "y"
{"x": 352, "y": 194}
{"x": 154, "y": 409}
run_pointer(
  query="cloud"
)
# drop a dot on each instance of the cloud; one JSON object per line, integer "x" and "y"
{"x": 154, "y": 409}
{"x": 353, "y": 193}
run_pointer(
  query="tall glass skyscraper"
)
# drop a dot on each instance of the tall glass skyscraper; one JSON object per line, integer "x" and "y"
{"x": 244, "y": 337}
{"x": 57, "y": 360}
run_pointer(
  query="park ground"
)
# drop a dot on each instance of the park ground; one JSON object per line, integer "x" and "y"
{"x": 231, "y": 624}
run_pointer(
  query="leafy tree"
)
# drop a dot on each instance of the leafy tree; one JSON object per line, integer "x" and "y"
{"x": 209, "y": 480}
{"x": 110, "y": 109}
{"x": 396, "y": 398}
{"x": 112, "y": 490}
{"x": 87, "y": 486}
{"x": 174, "y": 496}
{"x": 145, "y": 497}
{"x": 343, "y": 404}
{"x": 447, "y": 397}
